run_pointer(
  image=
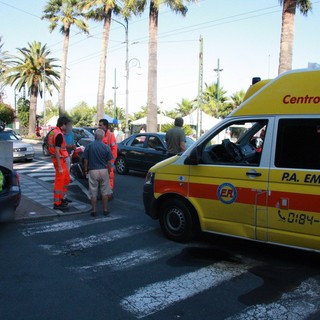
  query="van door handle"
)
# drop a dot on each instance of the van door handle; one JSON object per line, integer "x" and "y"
{"x": 253, "y": 173}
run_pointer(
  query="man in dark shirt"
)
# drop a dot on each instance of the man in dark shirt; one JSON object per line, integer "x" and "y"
{"x": 176, "y": 138}
{"x": 97, "y": 164}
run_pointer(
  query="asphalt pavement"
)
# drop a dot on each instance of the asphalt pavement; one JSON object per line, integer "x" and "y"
{"x": 37, "y": 198}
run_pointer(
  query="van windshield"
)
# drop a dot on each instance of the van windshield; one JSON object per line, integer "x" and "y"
{"x": 237, "y": 142}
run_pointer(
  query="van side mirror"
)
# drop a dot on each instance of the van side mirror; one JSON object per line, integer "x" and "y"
{"x": 193, "y": 158}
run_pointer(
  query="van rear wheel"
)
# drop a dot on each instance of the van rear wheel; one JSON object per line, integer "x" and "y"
{"x": 176, "y": 221}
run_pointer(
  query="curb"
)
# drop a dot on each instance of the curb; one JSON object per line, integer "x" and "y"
{"x": 37, "y": 203}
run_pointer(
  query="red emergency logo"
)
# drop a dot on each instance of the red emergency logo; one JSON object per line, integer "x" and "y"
{"x": 227, "y": 193}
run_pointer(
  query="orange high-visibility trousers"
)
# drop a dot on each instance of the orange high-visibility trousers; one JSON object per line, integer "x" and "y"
{"x": 61, "y": 181}
{"x": 111, "y": 178}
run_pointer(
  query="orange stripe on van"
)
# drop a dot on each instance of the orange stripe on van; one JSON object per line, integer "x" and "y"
{"x": 166, "y": 186}
{"x": 296, "y": 201}
{"x": 204, "y": 191}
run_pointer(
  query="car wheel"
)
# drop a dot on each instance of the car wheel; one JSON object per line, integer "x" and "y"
{"x": 45, "y": 151}
{"x": 121, "y": 165}
{"x": 177, "y": 221}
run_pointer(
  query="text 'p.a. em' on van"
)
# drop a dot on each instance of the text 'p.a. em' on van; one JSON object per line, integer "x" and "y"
{"x": 255, "y": 175}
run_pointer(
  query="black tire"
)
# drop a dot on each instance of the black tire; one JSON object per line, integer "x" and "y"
{"x": 177, "y": 221}
{"x": 121, "y": 165}
{"x": 29, "y": 160}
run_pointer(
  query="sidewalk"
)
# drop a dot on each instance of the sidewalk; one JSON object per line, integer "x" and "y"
{"x": 37, "y": 200}
{"x": 37, "y": 197}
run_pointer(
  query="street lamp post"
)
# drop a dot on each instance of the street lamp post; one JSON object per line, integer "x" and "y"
{"x": 136, "y": 62}
{"x": 127, "y": 71}
{"x": 218, "y": 70}
{"x": 115, "y": 94}
{"x": 160, "y": 107}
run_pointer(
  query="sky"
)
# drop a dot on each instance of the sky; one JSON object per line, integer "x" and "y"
{"x": 244, "y": 35}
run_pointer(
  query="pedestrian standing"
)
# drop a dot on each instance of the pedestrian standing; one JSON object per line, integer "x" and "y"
{"x": 97, "y": 164}
{"x": 110, "y": 140}
{"x": 57, "y": 148}
{"x": 176, "y": 138}
{"x": 69, "y": 138}
{"x": 120, "y": 135}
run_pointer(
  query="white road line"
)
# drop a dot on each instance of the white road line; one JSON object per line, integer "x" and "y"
{"x": 77, "y": 244}
{"x": 160, "y": 295}
{"x": 296, "y": 305}
{"x": 42, "y": 173}
{"x": 38, "y": 168}
{"x": 33, "y": 164}
{"x": 46, "y": 179}
{"x": 28, "y": 171}
{"x": 63, "y": 226}
{"x": 130, "y": 259}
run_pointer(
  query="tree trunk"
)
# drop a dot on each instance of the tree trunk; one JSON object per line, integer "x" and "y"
{"x": 63, "y": 75}
{"x": 103, "y": 63}
{"x": 152, "y": 69}
{"x": 287, "y": 35}
{"x": 33, "y": 111}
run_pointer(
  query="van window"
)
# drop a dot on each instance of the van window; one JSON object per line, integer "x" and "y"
{"x": 236, "y": 143}
{"x": 298, "y": 144}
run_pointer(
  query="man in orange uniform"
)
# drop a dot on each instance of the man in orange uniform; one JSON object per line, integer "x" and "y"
{"x": 110, "y": 140}
{"x": 58, "y": 150}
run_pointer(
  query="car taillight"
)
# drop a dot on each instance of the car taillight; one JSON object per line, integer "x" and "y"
{"x": 15, "y": 183}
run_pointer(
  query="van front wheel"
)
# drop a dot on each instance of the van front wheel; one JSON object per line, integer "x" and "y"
{"x": 176, "y": 220}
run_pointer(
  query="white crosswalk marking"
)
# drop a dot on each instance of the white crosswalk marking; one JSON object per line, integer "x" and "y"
{"x": 36, "y": 166}
{"x": 95, "y": 240}
{"x": 160, "y": 295}
{"x": 40, "y": 169}
{"x": 296, "y": 305}
{"x": 63, "y": 226}
{"x": 131, "y": 259}
{"x": 299, "y": 304}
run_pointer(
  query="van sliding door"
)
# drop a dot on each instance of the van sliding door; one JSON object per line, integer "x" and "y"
{"x": 294, "y": 204}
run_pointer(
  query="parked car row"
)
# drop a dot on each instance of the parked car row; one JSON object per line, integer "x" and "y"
{"x": 138, "y": 152}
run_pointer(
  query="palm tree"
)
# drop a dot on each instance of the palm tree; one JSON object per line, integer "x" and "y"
{"x": 210, "y": 104}
{"x": 101, "y": 10}
{"x": 287, "y": 30}
{"x": 177, "y": 6}
{"x": 185, "y": 107}
{"x": 235, "y": 100}
{"x": 67, "y": 13}
{"x": 34, "y": 69}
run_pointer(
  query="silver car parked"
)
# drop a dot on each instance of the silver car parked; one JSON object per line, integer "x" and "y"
{"x": 21, "y": 149}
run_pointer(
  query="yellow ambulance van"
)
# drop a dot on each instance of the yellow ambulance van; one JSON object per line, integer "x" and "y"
{"x": 255, "y": 175}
